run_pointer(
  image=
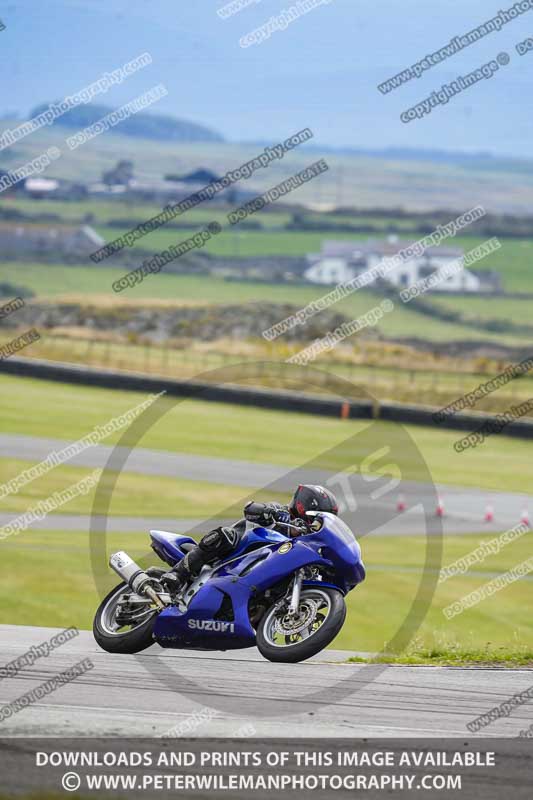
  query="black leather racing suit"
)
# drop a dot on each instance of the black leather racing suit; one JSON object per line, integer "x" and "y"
{"x": 220, "y": 542}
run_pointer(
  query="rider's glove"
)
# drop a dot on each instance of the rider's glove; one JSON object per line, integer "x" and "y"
{"x": 266, "y": 513}
{"x": 260, "y": 513}
{"x": 298, "y": 523}
{"x": 279, "y": 513}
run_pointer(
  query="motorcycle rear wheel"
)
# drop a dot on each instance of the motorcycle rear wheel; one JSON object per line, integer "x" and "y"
{"x": 109, "y": 635}
{"x": 320, "y": 617}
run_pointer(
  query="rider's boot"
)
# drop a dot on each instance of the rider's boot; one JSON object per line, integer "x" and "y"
{"x": 214, "y": 545}
{"x": 185, "y": 570}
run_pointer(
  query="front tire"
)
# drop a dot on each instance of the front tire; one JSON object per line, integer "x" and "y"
{"x": 108, "y": 633}
{"x": 321, "y": 615}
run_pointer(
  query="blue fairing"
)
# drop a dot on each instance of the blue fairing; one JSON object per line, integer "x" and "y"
{"x": 257, "y": 537}
{"x": 217, "y": 616}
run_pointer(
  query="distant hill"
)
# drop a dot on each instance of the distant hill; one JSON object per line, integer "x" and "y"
{"x": 157, "y": 127}
{"x": 502, "y": 186}
{"x": 472, "y": 161}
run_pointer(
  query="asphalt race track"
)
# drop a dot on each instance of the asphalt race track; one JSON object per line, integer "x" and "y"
{"x": 152, "y": 693}
{"x": 464, "y": 506}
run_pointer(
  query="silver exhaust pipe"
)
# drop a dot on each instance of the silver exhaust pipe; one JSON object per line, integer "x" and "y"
{"x": 132, "y": 574}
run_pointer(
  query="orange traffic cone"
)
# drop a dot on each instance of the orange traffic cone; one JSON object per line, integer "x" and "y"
{"x": 400, "y": 505}
{"x": 440, "y": 508}
{"x": 489, "y": 514}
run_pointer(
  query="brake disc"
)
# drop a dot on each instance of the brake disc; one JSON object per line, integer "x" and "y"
{"x": 288, "y": 627}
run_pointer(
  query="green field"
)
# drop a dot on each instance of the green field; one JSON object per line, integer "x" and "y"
{"x": 352, "y": 180}
{"x": 516, "y": 309}
{"x": 513, "y": 261}
{"x": 42, "y": 408}
{"x": 133, "y": 494}
{"x": 395, "y": 571}
{"x": 103, "y": 210}
{"x": 90, "y": 284}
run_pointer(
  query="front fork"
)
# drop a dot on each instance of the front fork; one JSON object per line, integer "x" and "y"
{"x": 295, "y": 595}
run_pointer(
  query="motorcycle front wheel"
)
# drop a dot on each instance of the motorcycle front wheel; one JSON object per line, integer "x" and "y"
{"x": 320, "y": 617}
{"x": 127, "y": 634}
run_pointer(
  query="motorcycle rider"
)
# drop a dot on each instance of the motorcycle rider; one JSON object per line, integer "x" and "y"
{"x": 220, "y": 542}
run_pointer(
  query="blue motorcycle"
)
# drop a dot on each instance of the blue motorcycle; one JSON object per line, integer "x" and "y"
{"x": 283, "y": 595}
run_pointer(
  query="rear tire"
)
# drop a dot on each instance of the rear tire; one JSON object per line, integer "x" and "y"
{"x": 132, "y": 641}
{"x": 292, "y": 652}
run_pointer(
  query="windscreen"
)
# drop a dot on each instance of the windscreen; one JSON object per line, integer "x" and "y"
{"x": 336, "y": 524}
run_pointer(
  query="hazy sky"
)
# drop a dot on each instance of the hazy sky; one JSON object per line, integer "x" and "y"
{"x": 321, "y": 72}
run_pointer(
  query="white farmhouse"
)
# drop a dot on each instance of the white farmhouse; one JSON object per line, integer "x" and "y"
{"x": 339, "y": 262}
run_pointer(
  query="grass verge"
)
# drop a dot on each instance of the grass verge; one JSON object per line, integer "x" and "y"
{"x": 455, "y": 655}
{"x": 68, "y": 412}
{"x": 133, "y": 494}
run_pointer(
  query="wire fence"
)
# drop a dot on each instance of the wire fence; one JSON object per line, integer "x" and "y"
{"x": 388, "y": 383}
